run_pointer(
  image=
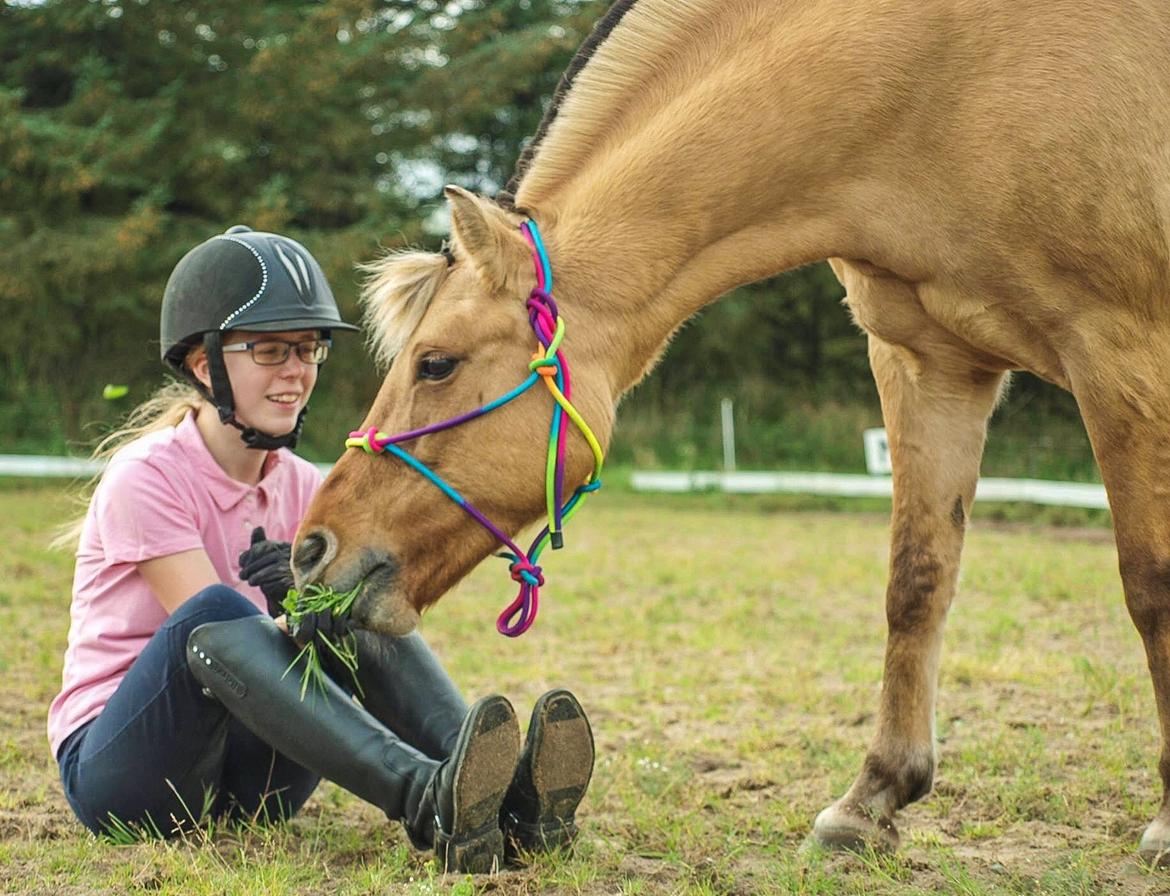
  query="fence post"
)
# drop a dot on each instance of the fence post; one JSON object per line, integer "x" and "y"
{"x": 728, "y": 420}
{"x": 877, "y": 452}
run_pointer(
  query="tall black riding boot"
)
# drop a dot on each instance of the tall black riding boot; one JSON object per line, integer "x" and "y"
{"x": 453, "y": 805}
{"x": 405, "y": 687}
{"x": 551, "y": 777}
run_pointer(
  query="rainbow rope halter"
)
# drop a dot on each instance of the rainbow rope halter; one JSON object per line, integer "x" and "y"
{"x": 548, "y": 365}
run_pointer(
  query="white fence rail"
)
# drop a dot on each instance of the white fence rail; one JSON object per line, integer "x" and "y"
{"x": 63, "y": 467}
{"x": 1032, "y": 491}
{"x": 876, "y": 485}
{"x": 29, "y": 465}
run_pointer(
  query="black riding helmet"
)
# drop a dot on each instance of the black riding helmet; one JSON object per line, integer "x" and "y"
{"x": 243, "y": 279}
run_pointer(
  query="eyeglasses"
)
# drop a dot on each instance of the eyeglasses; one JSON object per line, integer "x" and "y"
{"x": 273, "y": 352}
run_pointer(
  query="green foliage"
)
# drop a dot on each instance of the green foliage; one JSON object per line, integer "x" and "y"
{"x": 317, "y": 599}
{"x": 131, "y": 130}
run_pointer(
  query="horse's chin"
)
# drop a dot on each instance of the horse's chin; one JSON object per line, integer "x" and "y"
{"x": 387, "y": 613}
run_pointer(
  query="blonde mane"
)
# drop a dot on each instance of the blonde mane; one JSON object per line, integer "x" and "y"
{"x": 395, "y": 296}
{"x": 644, "y": 34}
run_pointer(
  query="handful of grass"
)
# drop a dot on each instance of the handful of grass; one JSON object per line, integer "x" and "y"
{"x": 320, "y": 600}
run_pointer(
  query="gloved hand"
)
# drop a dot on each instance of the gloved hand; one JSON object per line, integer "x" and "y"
{"x": 266, "y": 565}
{"x": 328, "y": 634}
{"x": 333, "y": 626}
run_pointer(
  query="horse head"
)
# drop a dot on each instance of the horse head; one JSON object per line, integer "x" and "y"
{"x": 454, "y": 331}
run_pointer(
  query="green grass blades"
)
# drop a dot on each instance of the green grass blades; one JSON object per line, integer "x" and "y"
{"x": 318, "y": 599}
{"x": 729, "y": 651}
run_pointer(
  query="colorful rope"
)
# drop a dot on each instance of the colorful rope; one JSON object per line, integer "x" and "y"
{"x": 549, "y": 366}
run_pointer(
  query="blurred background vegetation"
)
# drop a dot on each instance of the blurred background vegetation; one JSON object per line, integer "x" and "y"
{"x": 130, "y": 130}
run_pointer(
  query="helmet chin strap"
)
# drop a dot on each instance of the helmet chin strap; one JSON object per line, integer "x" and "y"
{"x": 220, "y": 395}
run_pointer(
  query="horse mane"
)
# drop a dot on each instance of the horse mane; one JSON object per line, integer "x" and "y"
{"x": 394, "y": 296}
{"x": 597, "y": 36}
{"x": 612, "y": 64}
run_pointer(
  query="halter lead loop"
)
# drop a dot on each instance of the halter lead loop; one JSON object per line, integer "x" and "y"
{"x": 549, "y": 366}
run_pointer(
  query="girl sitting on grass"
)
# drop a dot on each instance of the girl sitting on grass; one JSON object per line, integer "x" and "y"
{"x": 181, "y": 698}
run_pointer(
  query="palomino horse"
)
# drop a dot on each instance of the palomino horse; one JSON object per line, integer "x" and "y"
{"x": 989, "y": 179}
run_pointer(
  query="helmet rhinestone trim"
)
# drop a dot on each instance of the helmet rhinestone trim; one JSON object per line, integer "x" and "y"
{"x": 263, "y": 281}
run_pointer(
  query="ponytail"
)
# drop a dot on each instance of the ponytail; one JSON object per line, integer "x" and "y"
{"x": 166, "y": 408}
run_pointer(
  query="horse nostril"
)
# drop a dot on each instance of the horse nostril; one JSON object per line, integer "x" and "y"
{"x": 309, "y": 553}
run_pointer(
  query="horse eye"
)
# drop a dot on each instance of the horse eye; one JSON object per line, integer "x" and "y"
{"x": 436, "y": 367}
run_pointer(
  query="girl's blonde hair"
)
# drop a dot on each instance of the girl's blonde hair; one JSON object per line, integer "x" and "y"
{"x": 165, "y": 408}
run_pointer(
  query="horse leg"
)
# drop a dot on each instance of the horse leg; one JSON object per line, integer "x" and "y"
{"x": 936, "y": 398}
{"x": 1125, "y": 404}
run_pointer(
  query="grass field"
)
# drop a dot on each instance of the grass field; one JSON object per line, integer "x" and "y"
{"x": 730, "y": 657}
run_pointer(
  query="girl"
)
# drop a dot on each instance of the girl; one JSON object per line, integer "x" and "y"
{"x": 177, "y": 697}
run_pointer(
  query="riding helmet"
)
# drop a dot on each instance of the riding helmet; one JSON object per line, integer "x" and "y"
{"x": 243, "y": 279}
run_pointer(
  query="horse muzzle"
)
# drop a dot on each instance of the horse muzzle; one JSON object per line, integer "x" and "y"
{"x": 380, "y": 606}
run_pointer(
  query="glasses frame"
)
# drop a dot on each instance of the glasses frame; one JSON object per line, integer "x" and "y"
{"x": 289, "y": 347}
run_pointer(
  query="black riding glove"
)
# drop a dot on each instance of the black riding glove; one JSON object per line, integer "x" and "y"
{"x": 266, "y": 565}
{"x": 326, "y": 623}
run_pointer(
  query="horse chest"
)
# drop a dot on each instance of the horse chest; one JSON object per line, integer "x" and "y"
{"x": 939, "y": 316}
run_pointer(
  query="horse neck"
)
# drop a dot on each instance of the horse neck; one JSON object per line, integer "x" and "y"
{"x": 704, "y": 181}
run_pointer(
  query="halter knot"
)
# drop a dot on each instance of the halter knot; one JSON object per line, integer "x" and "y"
{"x": 368, "y": 441}
{"x": 526, "y": 572}
{"x": 545, "y": 366}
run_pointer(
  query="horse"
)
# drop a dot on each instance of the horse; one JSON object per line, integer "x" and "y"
{"x": 989, "y": 180}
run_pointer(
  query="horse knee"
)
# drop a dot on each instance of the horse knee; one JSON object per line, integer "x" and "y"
{"x": 1147, "y": 582}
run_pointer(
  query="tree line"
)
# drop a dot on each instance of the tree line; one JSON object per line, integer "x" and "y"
{"x": 130, "y": 130}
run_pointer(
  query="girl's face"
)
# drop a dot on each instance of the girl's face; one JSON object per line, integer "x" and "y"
{"x": 267, "y": 398}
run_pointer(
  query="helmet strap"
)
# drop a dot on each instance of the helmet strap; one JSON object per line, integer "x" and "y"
{"x": 220, "y": 395}
{"x": 221, "y": 386}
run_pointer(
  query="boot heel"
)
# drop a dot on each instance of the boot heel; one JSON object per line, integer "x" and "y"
{"x": 551, "y": 778}
{"x": 544, "y": 836}
{"x": 478, "y": 853}
{"x": 468, "y": 789}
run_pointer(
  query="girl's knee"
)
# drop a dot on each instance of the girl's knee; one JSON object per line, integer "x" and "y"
{"x": 216, "y": 603}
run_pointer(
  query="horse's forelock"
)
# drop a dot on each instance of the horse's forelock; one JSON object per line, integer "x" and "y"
{"x": 397, "y": 291}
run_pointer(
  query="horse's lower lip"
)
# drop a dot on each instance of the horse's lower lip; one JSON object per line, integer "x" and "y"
{"x": 375, "y": 582}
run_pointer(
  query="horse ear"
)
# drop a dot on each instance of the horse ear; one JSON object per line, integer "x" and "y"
{"x": 488, "y": 237}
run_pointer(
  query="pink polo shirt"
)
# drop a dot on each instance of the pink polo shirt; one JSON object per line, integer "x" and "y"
{"x": 160, "y": 495}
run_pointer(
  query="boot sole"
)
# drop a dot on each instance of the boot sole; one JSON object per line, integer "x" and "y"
{"x": 489, "y": 748}
{"x": 560, "y": 755}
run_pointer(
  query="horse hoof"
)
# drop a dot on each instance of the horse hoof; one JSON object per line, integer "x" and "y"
{"x": 850, "y": 828}
{"x": 1155, "y": 846}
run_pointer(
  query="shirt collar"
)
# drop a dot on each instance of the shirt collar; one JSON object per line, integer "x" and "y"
{"x": 225, "y": 491}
